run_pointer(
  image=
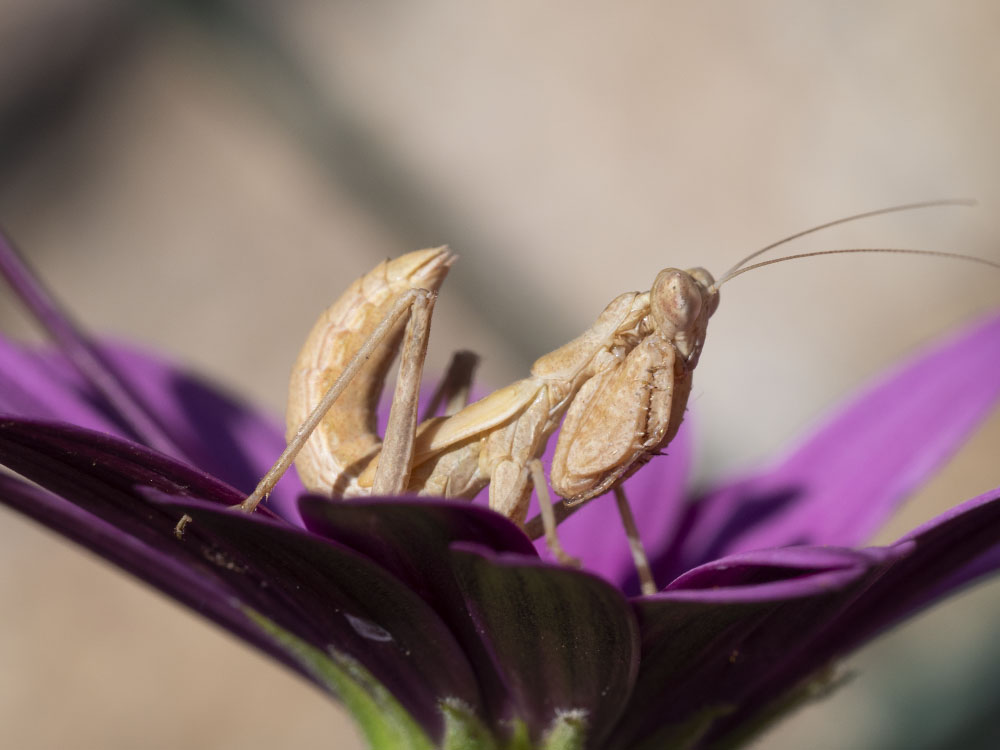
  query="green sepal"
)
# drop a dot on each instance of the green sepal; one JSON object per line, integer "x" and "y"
{"x": 463, "y": 730}
{"x": 466, "y": 731}
{"x": 383, "y": 721}
{"x": 567, "y": 732}
{"x": 518, "y": 737}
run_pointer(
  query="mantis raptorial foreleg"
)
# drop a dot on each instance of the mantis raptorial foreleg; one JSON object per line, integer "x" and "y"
{"x": 396, "y": 459}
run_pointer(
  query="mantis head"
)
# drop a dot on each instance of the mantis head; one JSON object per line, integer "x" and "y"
{"x": 680, "y": 303}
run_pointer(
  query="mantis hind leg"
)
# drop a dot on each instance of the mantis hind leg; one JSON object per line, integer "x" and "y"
{"x": 417, "y": 304}
{"x": 455, "y": 387}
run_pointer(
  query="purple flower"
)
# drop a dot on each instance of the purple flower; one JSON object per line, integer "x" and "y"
{"x": 438, "y": 623}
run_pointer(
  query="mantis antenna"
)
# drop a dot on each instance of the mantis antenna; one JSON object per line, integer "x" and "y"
{"x": 733, "y": 273}
{"x": 867, "y": 214}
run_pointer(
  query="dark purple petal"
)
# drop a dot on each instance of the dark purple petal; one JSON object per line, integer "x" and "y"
{"x": 179, "y": 579}
{"x": 948, "y": 552}
{"x": 336, "y": 599}
{"x": 560, "y": 639}
{"x": 128, "y": 499}
{"x": 100, "y": 473}
{"x": 95, "y": 487}
{"x": 706, "y": 651}
{"x": 783, "y": 573}
{"x": 411, "y": 539}
{"x": 739, "y": 648}
{"x": 842, "y": 484}
{"x": 941, "y": 555}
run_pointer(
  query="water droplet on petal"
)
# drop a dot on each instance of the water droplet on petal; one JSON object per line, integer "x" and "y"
{"x": 368, "y": 629}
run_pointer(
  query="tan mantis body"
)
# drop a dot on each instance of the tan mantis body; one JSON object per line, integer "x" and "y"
{"x": 620, "y": 390}
{"x": 622, "y": 386}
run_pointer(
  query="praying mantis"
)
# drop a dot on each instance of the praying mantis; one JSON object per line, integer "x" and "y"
{"x": 619, "y": 390}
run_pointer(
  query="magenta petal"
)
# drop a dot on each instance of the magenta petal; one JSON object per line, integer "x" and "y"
{"x": 844, "y": 482}
{"x": 218, "y": 433}
{"x": 82, "y": 356}
{"x": 211, "y": 430}
{"x": 34, "y": 386}
{"x": 595, "y": 535}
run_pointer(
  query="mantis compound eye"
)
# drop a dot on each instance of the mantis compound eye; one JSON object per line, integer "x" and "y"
{"x": 675, "y": 301}
{"x": 709, "y": 289}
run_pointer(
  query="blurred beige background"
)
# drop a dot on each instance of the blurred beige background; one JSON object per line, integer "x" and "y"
{"x": 205, "y": 177}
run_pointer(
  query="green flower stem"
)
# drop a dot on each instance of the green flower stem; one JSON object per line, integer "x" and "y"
{"x": 383, "y": 721}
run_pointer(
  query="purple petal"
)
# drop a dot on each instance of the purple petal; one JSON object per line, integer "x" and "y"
{"x": 128, "y": 499}
{"x": 560, "y": 639}
{"x": 100, "y": 472}
{"x": 207, "y": 428}
{"x": 783, "y": 573}
{"x": 842, "y": 483}
{"x": 949, "y": 552}
{"x": 222, "y": 435}
{"x": 81, "y": 353}
{"x": 411, "y": 539}
{"x": 943, "y": 555}
{"x": 744, "y": 647}
{"x": 32, "y": 385}
{"x": 337, "y": 599}
{"x": 705, "y": 651}
{"x": 595, "y": 534}
{"x": 159, "y": 568}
